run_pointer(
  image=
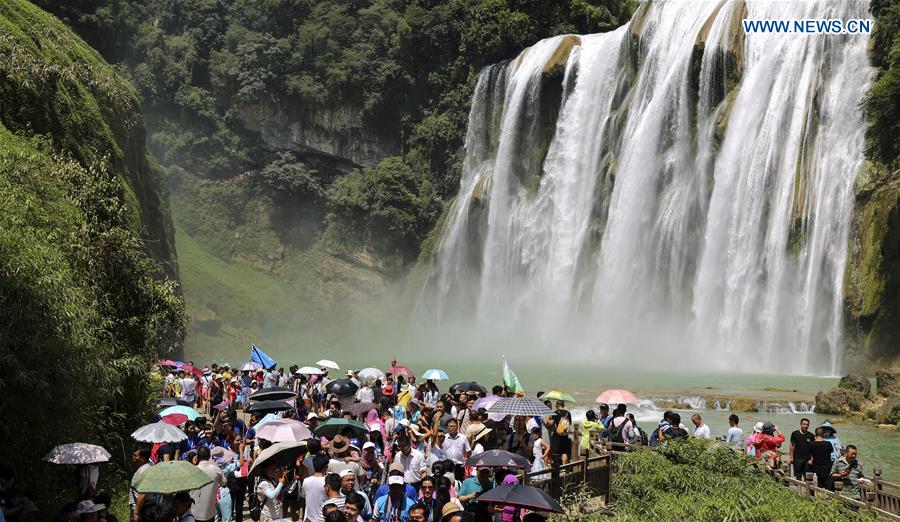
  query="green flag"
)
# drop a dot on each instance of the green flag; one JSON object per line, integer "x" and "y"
{"x": 510, "y": 380}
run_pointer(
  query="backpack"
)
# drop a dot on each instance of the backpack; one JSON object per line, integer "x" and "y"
{"x": 617, "y": 433}
{"x": 676, "y": 432}
{"x": 562, "y": 426}
{"x": 254, "y": 503}
{"x": 645, "y": 441}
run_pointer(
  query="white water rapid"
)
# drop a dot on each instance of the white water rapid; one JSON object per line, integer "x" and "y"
{"x": 672, "y": 194}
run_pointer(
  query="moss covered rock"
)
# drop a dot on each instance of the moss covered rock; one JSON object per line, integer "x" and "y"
{"x": 839, "y": 401}
{"x": 856, "y": 382}
{"x": 887, "y": 381}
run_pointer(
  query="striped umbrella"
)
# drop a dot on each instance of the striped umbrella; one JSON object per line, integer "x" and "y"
{"x": 524, "y": 406}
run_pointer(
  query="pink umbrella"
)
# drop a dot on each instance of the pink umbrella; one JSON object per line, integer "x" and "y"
{"x": 175, "y": 419}
{"x": 284, "y": 430}
{"x": 191, "y": 369}
{"x": 487, "y": 402}
{"x": 167, "y": 362}
{"x": 400, "y": 370}
{"x": 617, "y": 397}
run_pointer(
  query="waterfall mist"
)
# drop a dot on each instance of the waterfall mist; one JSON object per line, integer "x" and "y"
{"x": 674, "y": 194}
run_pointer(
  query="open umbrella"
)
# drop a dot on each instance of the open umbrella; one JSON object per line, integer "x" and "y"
{"x": 487, "y": 402}
{"x": 168, "y": 362}
{"x": 528, "y": 497}
{"x": 617, "y": 397}
{"x": 309, "y": 370}
{"x": 187, "y": 411}
{"x": 334, "y": 426}
{"x": 398, "y": 370}
{"x": 280, "y": 453}
{"x": 497, "y": 459}
{"x": 556, "y": 395}
{"x": 342, "y": 387}
{"x": 169, "y": 401}
{"x": 435, "y": 374}
{"x": 276, "y": 393}
{"x": 191, "y": 369}
{"x": 283, "y": 430}
{"x": 371, "y": 373}
{"x": 467, "y": 387}
{"x": 269, "y": 406}
{"x": 250, "y": 367}
{"x": 77, "y": 453}
{"x": 175, "y": 419}
{"x": 171, "y": 477}
{"x": 524, "y": 406}
{"x": 325, "y": 363}
{"x": 361, "y": 407}
{"x": 158, "y": 432}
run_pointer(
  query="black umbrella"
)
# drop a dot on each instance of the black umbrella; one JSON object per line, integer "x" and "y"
{"x": 467, "y": 387}
{"x": 280, "y": 454}
{"x": 518, "y": 495}
{"x": 341, "y": 387}
{"x": 269, "y": 406}
{"x": 497, "y": 459}
{"x": 276, "y": 393}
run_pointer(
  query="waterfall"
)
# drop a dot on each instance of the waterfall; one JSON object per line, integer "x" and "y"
{"x": 674, "y": 193}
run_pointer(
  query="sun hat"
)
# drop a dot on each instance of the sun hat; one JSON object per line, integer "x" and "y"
{"x": 88, "y": 506}
{"x": 374, "y": 427}
{"x": 768, "y": 428}
{"x": 758, "y": 427}
{"x": 404, "y": 423}
{"x": 312, "y": 415}
{"x": 451, "y": 507}
{"x": 388, "y": 391}
{"x": 368, "y": 445}
{"x": 345, "y": 472}
{"x": 339, "y": 445}
{"x": 415, "y": 429}
{"x": 396, "y": 479}
{"x": 483, "y": 433}
{"x": 827, "y": 425}
{"x": 396, "y": 466}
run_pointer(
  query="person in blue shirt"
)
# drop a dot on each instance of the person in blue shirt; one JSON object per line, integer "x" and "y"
{"x": 474, "y": 486}
{"x": 396, "y": 469}
{"x": 605, "y": 416}
{"x": 393, "y": 507}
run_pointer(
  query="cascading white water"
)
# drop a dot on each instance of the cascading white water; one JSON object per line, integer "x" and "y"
{"x": 674, "y": 192}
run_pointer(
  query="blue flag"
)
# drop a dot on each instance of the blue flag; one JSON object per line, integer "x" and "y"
{"x": 259, "y": 356}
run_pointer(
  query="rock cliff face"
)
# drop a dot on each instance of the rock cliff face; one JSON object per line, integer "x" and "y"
{"x": 872, "y": 280}
{"x": 339, "y": 135}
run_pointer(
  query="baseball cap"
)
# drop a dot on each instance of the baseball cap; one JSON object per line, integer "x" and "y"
{"x": 368, "y": 445}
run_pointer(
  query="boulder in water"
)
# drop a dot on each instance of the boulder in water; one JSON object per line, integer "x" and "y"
{"x": 887, "y": 381}
{"x": 856, "y": 382}
{"x": 889, "y": 412}
{"x": 840, "y": 401}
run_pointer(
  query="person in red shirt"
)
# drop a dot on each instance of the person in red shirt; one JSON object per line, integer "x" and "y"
{"x": 768, "y": 442}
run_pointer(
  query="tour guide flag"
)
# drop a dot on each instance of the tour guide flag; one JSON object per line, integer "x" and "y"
{"x": 510, "y": 379}
{"x": 259, "y": 356}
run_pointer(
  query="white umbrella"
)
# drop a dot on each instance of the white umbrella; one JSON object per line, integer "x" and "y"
{"x": 77, "y": 453}
{"x": 308, "y": 370}
{"x": 159, "y": 432}
{"x": 250, "y": 367}
{"x": 435, "y": 374}
{"x": 371, "y": 373}
{"x": 325, "y": 363}
{"x": 283, "y": 430}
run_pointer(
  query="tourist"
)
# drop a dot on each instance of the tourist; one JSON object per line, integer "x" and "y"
{"x": 395, "y": 506}
{"x": 751, "y": 440}
{"x": 590, "y": 427}
{"x": 365, "y": 393}
{"x": 701, "y": 430}
{"x": 640, "y": 436}
{"x": 427, "y": 499}
{"x": 417, "y": 513}
{"x": 657, "y": 433}
{"x": 333, "y": 495}
{"x": 605, "y": 417}
{"x": 674, "y": 429}
{"x": 313, "y": 489}
{"x": 412, "y": 460}
{"x": 831, "y": 436}
{"x": 474, "y": 486}
{"x": 735, "y": 435}
{"x": 801, "y": 440}
{"x": 560, "y": 426}
{"x": 766, "y": 444}
{"x": 540, "y": 451}
{"x": 396, "y": 470}
{"x": 519, "y": 441}
{"x": 620, "y": 429}
{"x": 848, "y": 470}
{"x": 348, "y": 487}
{"x": 354, "y": 504}
{"x": 141, "y": 458}
{"x": 183, "y": 512}
{"x": 456, "y": 446}
{"x": 205, "y": 498}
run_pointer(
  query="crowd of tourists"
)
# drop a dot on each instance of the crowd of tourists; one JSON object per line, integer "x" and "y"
{"x": 384, "y": 446}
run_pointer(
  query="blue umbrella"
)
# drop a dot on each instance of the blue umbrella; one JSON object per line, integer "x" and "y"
{"x": 189, "y": 412}
{"x": 435, "y": 374}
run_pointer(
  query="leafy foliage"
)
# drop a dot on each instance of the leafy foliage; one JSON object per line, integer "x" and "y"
{"x": 385, "y": 205}
{"x": 699, "y": 480}
{"x": 287, "y": 178}
{"x": 882, "y": 104}
{"x": 85, "y": 309}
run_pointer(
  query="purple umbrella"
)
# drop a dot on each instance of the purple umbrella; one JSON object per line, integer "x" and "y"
{"x": 487, "y": 402}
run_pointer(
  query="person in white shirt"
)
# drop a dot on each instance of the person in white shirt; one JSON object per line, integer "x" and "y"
{"x": 456, "y": 446}
{"x": 269, "y": 493}
{"x": 141, "y": 457}
{"x": 205, "y": 498}
{"x": 314, "y": 490}
{"x": 701, "y": 431}
{"x": 412, "y": 460}
{"x": 365, "y": 393}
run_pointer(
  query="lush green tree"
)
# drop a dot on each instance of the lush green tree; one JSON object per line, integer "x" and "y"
{"x": 882, "y": 104}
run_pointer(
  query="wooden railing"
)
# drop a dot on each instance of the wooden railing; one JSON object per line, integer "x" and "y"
{"x": 592, "y": 473}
